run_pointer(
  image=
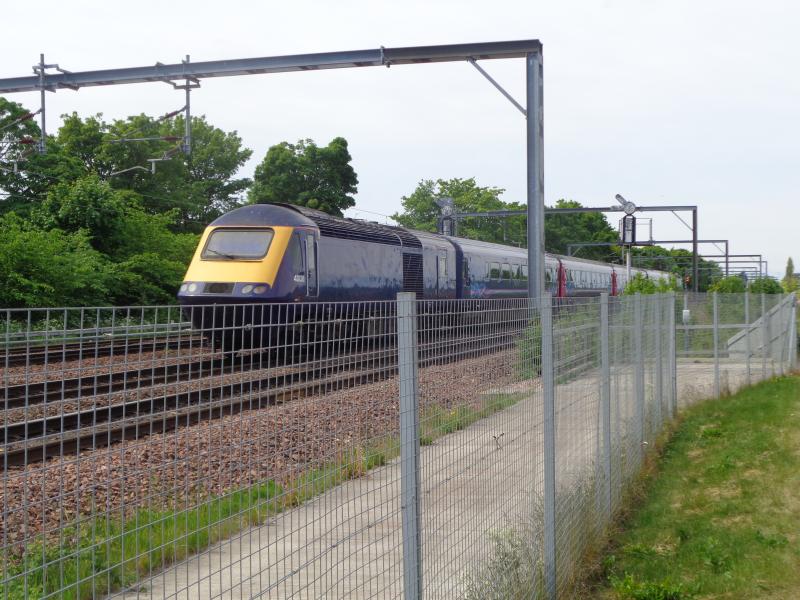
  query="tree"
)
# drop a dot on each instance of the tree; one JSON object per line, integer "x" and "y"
{"x": 200, "y": 186}
{"x": 421, "y": 212}
{"x": 561, "y": 230}
{"x": 789, "y": 281}
{"x": 307, "y": 175}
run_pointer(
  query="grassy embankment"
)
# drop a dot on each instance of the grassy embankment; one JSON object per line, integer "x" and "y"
{"x": 720, "y": 517}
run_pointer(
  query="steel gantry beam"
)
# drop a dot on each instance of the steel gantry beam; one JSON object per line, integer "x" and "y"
{"x": 694, "y": 241}
{"x": 530, "y": 50}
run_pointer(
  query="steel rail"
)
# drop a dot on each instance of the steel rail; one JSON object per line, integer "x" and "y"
{"x": 36, "y": 440}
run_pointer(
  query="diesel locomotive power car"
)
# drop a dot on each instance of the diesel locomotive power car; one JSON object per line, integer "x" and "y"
{"x": 274, "y": 254}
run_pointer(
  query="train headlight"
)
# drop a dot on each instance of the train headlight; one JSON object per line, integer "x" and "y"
{"x": 184, "y": 286}
{"x": 247, "y": 289}
{"x": 260, "y": 289}
{"x": 192, "y": 287}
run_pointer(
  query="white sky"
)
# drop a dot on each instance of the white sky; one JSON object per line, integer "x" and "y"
{"x": 673, "y": 102}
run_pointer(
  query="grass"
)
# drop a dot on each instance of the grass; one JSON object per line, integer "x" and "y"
{"x": 720, "y": 518}
{"x": 107, "y": 554}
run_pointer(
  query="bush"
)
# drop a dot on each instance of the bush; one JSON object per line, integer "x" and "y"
{"x": 642, "y": 284}
{"x": 765, "y": 285}
{"x": 729, "y": 285}
{"x": 48, "y": 268}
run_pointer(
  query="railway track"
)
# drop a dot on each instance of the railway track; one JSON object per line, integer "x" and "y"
{"x": 16, "y": 356}
{"x": 34, "y": 440}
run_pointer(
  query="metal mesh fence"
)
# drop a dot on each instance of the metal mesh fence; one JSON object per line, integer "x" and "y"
{"x": 739, "y": 339}
{"x": 438, "y": 449}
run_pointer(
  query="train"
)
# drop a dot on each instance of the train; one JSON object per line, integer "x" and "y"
{"x": 278, "y": 254}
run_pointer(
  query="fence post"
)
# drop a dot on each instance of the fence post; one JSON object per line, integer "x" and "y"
{"x": 793, "y": 334}
{"x": 605, "y": 400}
{"x": 764, "y": 336}
{"x": 784, "y": 330}
{"x": 407, "y": 353}
{"x": 659, "y": 363}
{"x": 673, "y": 357}
{"x": 548, "y": 383}
{"x": 715, "y": 300}
{"x": 639, "y": 357}
{"x": 747, "y": 334}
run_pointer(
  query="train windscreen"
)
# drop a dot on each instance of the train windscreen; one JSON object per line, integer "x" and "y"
{"x": 237, "y": 244}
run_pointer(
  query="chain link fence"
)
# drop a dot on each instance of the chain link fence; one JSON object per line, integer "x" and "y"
{"x": 438, "y": 449}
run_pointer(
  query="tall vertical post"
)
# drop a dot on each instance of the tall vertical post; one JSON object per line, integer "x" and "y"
{"x": 628, "y": 263}
{"x": 407, "y": 353}
{"x": 673, "y": 358}
{"x": 764, "y": 334}
{"x": 535, "y": 187}
{"x": 43, "y": 121}
{"x": 187, "y": 132}
{"x": 793, "y": 334}
{"x": 726, "y": 259}
{"x": 548, "y": 384}
{"x": 695, "y": 268}
{"x": 685, "y": 328}
{"x": 747, "y": 350}
{"x": 715, "y": 300}
{"x": 639, "y": 358}
{"x": 605, "y": 402}
{"x": 659, "y": 361}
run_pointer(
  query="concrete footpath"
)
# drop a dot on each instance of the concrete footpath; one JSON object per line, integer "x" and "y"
{"x": 347, "y": 543}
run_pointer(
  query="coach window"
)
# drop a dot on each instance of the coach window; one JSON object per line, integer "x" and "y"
{"x": 494, "y": 271}
{"x": 506, "y": 271}
{"x": 525, "y": 273}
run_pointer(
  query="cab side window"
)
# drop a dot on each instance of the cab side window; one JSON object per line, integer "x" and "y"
{"x": 294, "y": 259}
{"x": 311, "y": 260}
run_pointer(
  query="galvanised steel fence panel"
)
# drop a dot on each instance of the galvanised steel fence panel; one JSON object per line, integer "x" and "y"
{"x": 739, "y": 338}
{"x": 435, "y": 449}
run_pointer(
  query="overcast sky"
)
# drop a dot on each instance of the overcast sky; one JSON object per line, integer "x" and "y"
{"x": 679, "y": 102}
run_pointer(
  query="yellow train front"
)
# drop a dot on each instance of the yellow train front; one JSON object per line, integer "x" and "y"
{"x": 250, "y": 262}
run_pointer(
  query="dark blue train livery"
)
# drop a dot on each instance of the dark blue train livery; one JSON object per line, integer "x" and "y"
{"x": 281, "y": 253}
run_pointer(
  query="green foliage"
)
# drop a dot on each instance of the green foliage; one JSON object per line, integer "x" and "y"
{"x": 629, "y": 588}
{"x": 75, "y": 233}
{"x": 421, "y": 212}
{"x": 562, "y": 230}
{"x": 641, "y": 284}
{"x": 765, "y": 285}
{"x": 106, "y": 554}
{"x": 307, "y": 175}
{"x": 789, "y": 282}
{"x": 48, "y": 267}
{"x": 729, "y": 285}
{"x": 678, "y": 262}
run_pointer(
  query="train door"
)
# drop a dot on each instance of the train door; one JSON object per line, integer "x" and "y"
{"x": 562, "y": 281}
{"x": 312, "y": 280}
{"x": 441, "y": 274}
